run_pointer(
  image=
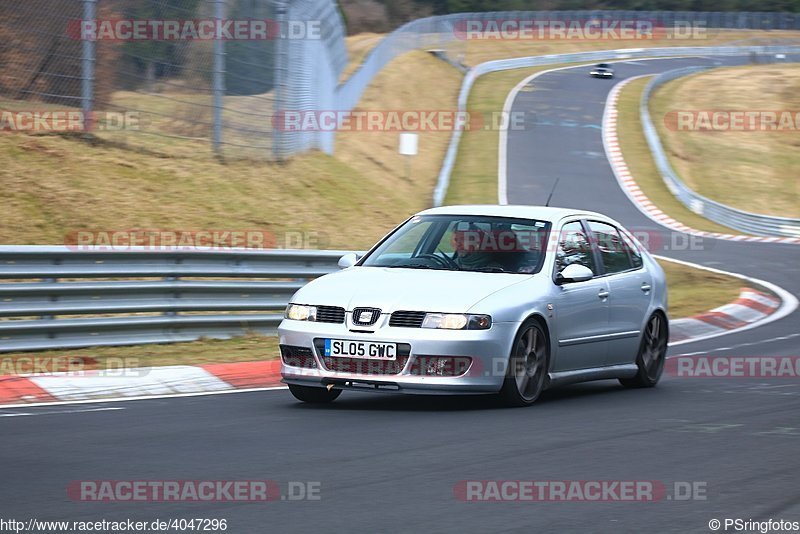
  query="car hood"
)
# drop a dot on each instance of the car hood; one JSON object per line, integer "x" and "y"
{"x": 393, "y": 289}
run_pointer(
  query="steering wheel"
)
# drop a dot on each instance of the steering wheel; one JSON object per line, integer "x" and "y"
{"x": 441, "y": 261}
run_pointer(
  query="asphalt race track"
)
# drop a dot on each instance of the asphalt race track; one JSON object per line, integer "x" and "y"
{"x": 390, "y": 463}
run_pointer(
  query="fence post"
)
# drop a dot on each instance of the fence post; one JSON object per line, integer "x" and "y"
{"x": 280, "y": 66}
{"x": 218, "y": 84}
{"x": 87, "y": 68}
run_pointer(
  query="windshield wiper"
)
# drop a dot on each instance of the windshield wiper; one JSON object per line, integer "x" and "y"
{"x": 486, "y": 270}
{"x": 416, "y": 266}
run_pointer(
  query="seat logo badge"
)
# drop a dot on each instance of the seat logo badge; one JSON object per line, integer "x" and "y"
{"x": 365, "y": 316}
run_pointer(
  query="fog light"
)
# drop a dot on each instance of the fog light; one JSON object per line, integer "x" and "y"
{"x": 440, "y": 365}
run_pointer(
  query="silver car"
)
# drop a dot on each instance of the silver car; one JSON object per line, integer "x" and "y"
{"x": 507, "y": 300}
{"x": 603, "y": 70}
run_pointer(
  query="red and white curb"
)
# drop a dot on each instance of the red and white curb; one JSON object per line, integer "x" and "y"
{"x": 751, "y": 307}
{"x": 173, "y": 380}
{"x": 637, "y": 196}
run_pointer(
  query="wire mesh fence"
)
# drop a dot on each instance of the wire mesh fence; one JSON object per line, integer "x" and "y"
{"x": 180, "y": 77}
{"x": 195, "y": 77}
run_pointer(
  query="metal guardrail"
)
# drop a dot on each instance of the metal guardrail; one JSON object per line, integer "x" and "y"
{"x": 90, "y": 298}
{"x": 443, "y": 181}
{"x": 752, "y": 223}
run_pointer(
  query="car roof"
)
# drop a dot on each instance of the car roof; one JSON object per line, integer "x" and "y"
{"x": 541, "y": 213}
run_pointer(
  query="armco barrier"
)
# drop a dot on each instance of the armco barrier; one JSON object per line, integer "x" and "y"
{"x": 446, "y": 171}
{"x": 751, "y": 223}
{"x": 55, "y": 297}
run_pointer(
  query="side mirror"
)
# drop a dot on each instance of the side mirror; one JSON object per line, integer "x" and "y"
{"x": 574, "y": 273}
{"x": 348, "y": 260}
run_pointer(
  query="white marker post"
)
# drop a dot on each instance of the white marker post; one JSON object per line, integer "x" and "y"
{"x": 409, "y": 146}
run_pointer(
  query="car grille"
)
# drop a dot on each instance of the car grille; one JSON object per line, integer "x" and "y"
{"x": 407, "y": 319}
{"x": 330, "y": 314}
{"x": 362, "y": 366}
{"x": 373, "y": 317}
{"x": 298, "y": 356}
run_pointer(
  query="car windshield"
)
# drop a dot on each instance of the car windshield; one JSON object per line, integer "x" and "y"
{"x": 603, "y": 66}
{"x": 464, "y": 243}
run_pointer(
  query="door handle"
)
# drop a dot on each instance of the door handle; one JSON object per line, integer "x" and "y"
{"x": 646, "y": 287}
{"x": 603, "y": 294}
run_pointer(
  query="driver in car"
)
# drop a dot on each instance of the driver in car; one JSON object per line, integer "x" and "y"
{"x": 471, "y": 254}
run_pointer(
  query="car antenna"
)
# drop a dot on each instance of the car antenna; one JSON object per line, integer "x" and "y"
{"x": 547, "y": 204}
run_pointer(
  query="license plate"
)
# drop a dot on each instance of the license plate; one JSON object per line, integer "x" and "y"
{"x": 370, "y": 350}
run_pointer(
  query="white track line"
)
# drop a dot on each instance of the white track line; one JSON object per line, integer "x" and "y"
{"x": 59, "y": 412}
{"x": 143, "y": 397}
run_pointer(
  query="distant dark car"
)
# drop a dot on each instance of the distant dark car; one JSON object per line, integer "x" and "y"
{"x": 602, "y": 70}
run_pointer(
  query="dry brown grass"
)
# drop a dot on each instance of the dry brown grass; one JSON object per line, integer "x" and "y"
{"x": 640, "y": 162}
{"x": 756, "y": 171}
{"x": 53, "y": 185}
{"x": 358, "y": 46}
{"x": 694, "y": 291}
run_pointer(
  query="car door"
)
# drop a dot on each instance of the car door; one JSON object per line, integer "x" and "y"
{"x": 629, "y": 288}
{"x": 580, "y": 308}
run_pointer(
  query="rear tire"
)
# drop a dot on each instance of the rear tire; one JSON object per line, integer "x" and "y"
{"x": 652, "y": 354}
{"x": 314, "y": 395}
{"x": 526, "y": 375}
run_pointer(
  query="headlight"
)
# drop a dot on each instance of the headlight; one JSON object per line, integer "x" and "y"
{"x": 300, "y": 312}
{"x": 457, "y": 321}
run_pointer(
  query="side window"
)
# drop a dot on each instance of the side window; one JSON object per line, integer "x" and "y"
{"x": 574, "y": 247}
{"x": 612, "y": 250}
{"x": 633, "y": 249}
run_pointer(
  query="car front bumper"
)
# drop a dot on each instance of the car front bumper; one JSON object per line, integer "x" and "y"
{"x": 489, "y": 350}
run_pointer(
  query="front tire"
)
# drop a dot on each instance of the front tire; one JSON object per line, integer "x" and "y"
{"x": 314, "y": 395}
{"x": 526, "y": 375}
{"x": 652, "y": 354}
